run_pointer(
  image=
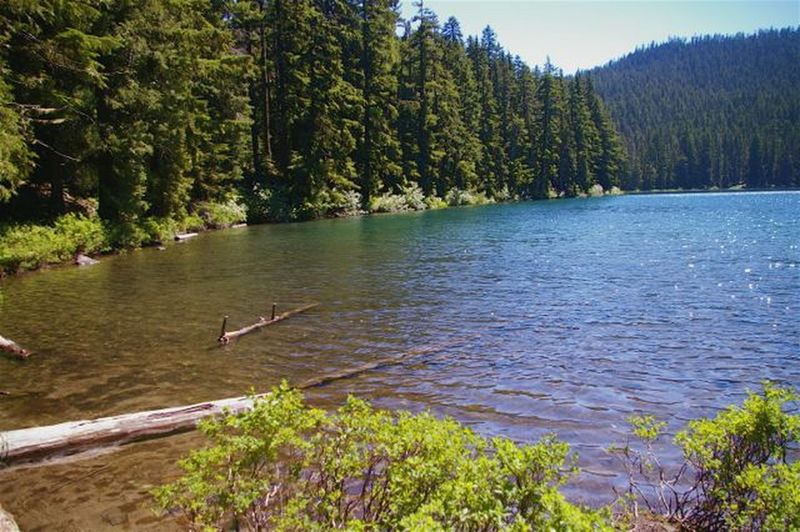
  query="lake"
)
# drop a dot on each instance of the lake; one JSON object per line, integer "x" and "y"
{"x": 558, "y": 316}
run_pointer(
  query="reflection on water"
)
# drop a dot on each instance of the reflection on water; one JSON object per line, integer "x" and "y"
{"x": 563, "y": 316}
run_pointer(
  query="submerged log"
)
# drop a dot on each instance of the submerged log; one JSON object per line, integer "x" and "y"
{"x": 226, "y": 337}
{"x": 12, "y": 348}
{"x": 7, "y": 523}
{"x": 38, "y": 443}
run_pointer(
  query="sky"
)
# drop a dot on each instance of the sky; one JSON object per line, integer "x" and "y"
{"x": 580, "y": 34}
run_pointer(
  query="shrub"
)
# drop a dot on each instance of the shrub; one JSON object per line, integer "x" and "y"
{"x": 435, "y": 202}
{"x": 738, "y": 457}
{"x": 410, "y": 198}
{"x": 219, "y": 215}
{"x": 737, "y": 461}
{"x": 347, "y": 203}
{"x": 414, "y": 197}
{"x": 27, "y": 247}
{"x": 285, "y": 466}
{"x": 267, "y": 205}
{"x": 388, "y": 202}
{"x": 456, "y": 197}
{"x": 595, "y": 190}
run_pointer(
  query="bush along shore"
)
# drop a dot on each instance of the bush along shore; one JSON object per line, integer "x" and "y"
{"x": 286, "y": 466}
{"x": 31, "y": 246}
{"x": 25, "y": 247}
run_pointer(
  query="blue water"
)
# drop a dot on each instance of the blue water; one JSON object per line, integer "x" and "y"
{"x": 564, "y": 316}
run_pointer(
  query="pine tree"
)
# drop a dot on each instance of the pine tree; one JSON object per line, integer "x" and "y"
{"x": 549, "y": 125}
{"x": 379, "y": 150}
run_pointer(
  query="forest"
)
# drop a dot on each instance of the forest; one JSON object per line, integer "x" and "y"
{"x": 146, "y": 110}
{"x": 714, "y": 111}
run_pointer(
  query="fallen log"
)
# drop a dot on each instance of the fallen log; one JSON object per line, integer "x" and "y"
{"x": 10, "y": 347}
{"x": 322, "y": 380}
{"x": 37, "y": 443}
{"x": 64, "y": 439}
{"x": 7, "y": 523}
{"x": 185, "y": 236}
{"x": 226, "y": 337}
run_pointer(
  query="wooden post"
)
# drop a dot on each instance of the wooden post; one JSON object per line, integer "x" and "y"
{"x": 224, "y": 323}
{"x": 274, "y": 308}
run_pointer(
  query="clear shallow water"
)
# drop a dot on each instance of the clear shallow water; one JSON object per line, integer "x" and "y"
{"x": 562, "y": 316}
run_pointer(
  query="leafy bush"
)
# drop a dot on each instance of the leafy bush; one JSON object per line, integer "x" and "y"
{"x": 27, "y": 247}
{"x": 414, "y": 197}
{"x": 285, "y": 466}
{"x": 740, "y": 478}
{"x": 347, "y": 203}
{"x": 595, "y": 190}
{"x": 435, "y": 202}
{"x": 388, "y": 202}
{"x": 267, "y": 205}
{"x": 219, "y": 215}
{"x": 456, "y": 197}
{"x": 410, "y": 198}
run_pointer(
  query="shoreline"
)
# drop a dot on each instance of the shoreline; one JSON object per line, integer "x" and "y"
{"x": 160, "y": 244}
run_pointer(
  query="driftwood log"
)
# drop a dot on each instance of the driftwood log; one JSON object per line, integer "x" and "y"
{"x": 7, "y": 523}
{"x": 7, "y": 346}
{"x": 38, "y": 443}
{"x": 226, "y": 337}
{"x": 185, "y": 236}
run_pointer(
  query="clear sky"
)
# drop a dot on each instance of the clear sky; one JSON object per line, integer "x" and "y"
{"x": 582, "y": 34}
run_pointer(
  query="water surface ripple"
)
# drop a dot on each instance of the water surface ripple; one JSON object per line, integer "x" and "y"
{"x": 562, "y": 316}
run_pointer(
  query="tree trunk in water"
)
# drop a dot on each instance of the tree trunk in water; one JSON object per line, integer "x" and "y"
{"x": 226, "y": 337}
{"x": 8, "y": 346}
{"x": 7, "y": 523}
{"x": 39, "y": 443}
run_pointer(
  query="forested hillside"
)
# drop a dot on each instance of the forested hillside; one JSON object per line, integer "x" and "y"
{"x": 144, "y": 110}
{"x": 712, "y": 111}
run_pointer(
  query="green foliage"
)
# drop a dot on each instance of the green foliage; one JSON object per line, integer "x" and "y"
{"x": 15, "y": 156}
{"x": 738, "y": 462}
{"x": 218, "y": 215}
{"x": 435, "y": 202}
{"x": 735, "y": 456}
{"x": 712, "y": 111}
{"x": 267, "y": 205}
{"x": 26, "y": 247}
{"x": 411, "y": 198}
{"x": 285, "y": 466}
{"x": 646, "y": 427}
{"x": 160, "y": 111}
{"x": 456, "y": 198}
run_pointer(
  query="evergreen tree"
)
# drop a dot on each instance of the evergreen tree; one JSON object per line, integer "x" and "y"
{"x": 549, "y": 125}
{"x": 379, "y": 150}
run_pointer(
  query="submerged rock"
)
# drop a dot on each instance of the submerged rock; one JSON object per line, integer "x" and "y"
{"x": 83, "y": 260}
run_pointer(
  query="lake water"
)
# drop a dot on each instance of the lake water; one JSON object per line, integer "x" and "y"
{"x": 563, "y": 316}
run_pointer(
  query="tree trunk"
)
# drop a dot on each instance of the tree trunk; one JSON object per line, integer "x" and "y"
{"x": 7, "y": 523}
{"x": 38, "y": 443}
{"x": 10, "y": 347}
{"x": 32, "y": 444}
{"x": 226, "y": 337}
{"x": 265, "y": 85}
